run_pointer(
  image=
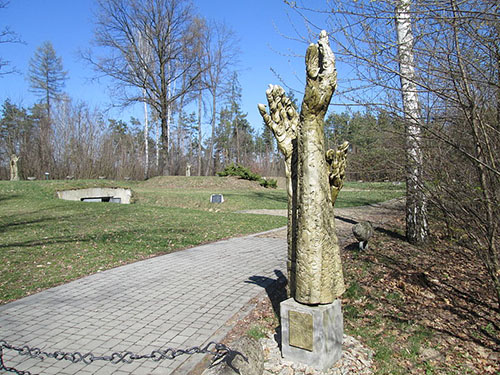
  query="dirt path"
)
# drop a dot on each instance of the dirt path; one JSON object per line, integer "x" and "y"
{"x": 382, "y": 215}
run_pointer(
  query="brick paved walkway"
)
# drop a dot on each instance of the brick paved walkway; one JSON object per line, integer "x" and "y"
{"x": 177, "y": 300}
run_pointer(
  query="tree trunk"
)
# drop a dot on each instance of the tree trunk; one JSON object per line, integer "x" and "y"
{"x": 146, "y": 139}
{"x": 237, "y": 144}
{"x": 199, "y": 132}
{"x": 157, "y": 144}
{"x": 212, "y": 140}
{"x": 416, "y": 202}
{"x": 163, "y": 149}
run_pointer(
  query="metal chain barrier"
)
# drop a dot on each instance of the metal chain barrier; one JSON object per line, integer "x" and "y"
{"x": 217, "y": 350}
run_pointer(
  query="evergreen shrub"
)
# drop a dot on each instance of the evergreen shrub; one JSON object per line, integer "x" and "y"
{"x": 246, "y": 174}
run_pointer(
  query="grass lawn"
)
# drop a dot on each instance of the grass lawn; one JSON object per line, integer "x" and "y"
{"x": 45, "y": 241}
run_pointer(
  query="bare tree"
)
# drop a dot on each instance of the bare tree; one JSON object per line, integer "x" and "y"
{"x": 461, "y": 71}
{"x": 6, "y": 36}
{"x": 146, "y": 53}
{"x": 80, "y": 131}
{"x": 221, "y": 55}
{"x": 382, "y": 61}
{"x": 201, "y": 51}
{"x": 164, "y": 26}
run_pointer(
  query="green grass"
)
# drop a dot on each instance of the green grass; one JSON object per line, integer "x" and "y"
{"x": 45, "y": 241}
{"x": 393, "y": 343}
{"x": 257, "y": 332}
{"x": 373, "y": 185}
{"x": 365, "y": 193}
{"x": 199, "y": 198}
{"x": 234, "y": 200}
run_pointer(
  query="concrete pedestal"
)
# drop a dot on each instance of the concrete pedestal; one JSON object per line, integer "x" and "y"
{"x": 312, "y": 335}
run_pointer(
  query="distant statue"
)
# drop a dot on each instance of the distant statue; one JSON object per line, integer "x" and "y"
{"x": 188, "y": 170}
{"x": 14, "y": 174}
{"x": 363, "y": 232}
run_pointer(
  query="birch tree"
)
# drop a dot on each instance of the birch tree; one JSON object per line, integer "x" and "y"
{"x": 416, "y": 205}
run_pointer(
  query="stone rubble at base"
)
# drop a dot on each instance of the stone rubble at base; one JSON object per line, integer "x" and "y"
{"x": 356, "y": 360}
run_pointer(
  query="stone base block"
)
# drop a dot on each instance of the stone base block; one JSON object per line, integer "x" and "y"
{"x": 312, "y": 335}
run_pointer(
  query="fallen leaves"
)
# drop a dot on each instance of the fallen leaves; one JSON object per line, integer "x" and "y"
{"x": 442, "y": 288}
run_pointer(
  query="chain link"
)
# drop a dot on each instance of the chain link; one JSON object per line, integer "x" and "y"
{"x": 217, "y": 350}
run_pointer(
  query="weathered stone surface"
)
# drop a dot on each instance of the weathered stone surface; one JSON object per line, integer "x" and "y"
{"x": 326, "y": 330}
{"x": 318, "y": 277}
{"x": 356, "y": 359}
{"x": 283, "y": 121}
{"x": 337, "y": 160}
{"x": 250, "y": 361}
{"x": 363, "y": 232}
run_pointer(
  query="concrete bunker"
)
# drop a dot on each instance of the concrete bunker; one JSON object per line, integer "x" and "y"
{"x": 112, "y": 195}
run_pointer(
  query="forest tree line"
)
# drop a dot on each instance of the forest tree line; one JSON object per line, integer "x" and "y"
{"x": 83, "y": 143}
{"x": 182, "y": 68}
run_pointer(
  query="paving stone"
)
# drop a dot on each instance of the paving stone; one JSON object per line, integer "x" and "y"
{"x": 176, "y": 300}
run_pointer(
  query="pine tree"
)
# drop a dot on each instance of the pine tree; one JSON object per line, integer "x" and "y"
{"x": 47, "y": 78}
{"x": 46, "y": 74}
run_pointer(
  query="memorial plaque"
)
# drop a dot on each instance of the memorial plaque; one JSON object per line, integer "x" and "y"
{"x": 301, "y": 330}
{"x": 216, "y": 198}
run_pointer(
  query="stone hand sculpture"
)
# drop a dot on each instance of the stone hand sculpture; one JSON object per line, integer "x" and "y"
{"x": 314, "y": 179}
{"x": 336, "y": 160}
{"x": 283, "y": 121}
{"x": 282, "y": 118}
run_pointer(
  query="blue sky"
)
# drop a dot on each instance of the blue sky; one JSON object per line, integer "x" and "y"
{"x": 68, "y": 24}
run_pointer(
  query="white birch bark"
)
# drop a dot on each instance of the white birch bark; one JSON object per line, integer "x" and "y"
{"x": 200, "y": 138}
{"x": 146, "y": 136}
{"x": 157, "y": 144}
{"x": 416, "y": 205}
{"x": 146, "y": 59}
